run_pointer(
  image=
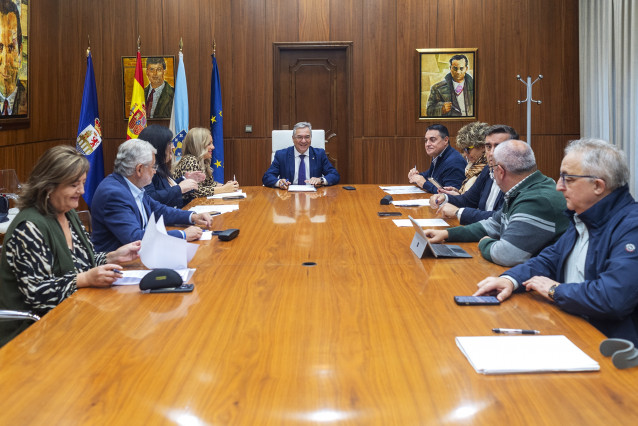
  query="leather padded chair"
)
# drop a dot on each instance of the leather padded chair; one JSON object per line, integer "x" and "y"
{"x": 283, "y": 139}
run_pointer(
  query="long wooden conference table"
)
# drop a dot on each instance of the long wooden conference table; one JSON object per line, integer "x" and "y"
{"x": 365, "y": 335}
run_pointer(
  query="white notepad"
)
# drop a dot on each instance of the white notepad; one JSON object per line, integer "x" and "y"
{"x": 524, "y": 354}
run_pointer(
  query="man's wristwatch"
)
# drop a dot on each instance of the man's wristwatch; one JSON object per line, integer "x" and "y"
{"x": 551, "y": 291}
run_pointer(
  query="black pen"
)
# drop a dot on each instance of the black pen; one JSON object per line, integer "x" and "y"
{"x": 515, "y": 331}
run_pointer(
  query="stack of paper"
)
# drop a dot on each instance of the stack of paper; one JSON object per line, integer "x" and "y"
{"x": 524, "y": 354}
{"x": 160, "y": 250}
{"x": 401, "y": 223}
{"x": 238, "y": 193}
{"x": 302, "y": 188}
{"x": 215, "y": 208}
{"x": 412, "y": 203}
{"x": 402, "y": 189}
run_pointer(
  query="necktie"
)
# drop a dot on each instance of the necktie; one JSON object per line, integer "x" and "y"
{"x": 301, "y": 177}
{"x": 5, "y": 108}
{"x": 459, "y": 89}
{"x": 149, "y": 102}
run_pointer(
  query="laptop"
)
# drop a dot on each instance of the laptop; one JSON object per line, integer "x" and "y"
{"x": 422, "y": 247}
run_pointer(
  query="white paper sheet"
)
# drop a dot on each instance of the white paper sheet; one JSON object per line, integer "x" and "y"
{"x": 238, "y": 193}
{"x": 134, "y": 276}
{"x": 211, "y": 208}
{"x": 302, "y": 188}
{"x": 160, "y": 250}
{"x": 402, "y": 189}
{"x": 524, "y": 354}
{"x": 402, "y": 223}
{"x": 417, "y": 202}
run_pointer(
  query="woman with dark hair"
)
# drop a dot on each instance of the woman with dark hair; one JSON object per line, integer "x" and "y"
{"x": 164, "y": 188}
{"x": 47, "y": 253}
{"x": 197, "y": 154}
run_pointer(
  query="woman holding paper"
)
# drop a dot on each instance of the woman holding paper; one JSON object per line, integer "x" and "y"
{"x": 197, "y": 154}
{"x": 164, "y": 188}
{"x": 47, "y": 254}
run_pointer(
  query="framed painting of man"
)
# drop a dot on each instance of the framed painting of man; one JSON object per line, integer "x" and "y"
{"x": 159, "y": 84}
{"x": 14, "y": 62}
{"x": 447, "y": 84}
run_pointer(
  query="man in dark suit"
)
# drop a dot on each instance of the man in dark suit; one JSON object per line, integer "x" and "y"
{"x": 484, "y": 198}
{"x": 121, "y": 209}
{"x": 300, "y": 164}
{"x": 158, "y": 94}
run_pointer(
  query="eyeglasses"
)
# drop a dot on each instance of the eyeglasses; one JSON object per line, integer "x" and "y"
{"x": 493, "y": 167}
{"x": 152, "y": 166}
{"x": 467, "y": 150}
{"x": 566, "y": 179}
{"x": 303, "y": 137}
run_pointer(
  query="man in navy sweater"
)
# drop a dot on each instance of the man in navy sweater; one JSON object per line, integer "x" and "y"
{"x": 447, "y": 167}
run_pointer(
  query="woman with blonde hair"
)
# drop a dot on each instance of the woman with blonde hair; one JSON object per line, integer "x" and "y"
{"x": 197, "y": 151}
{"x": 47, "y": 254}
{"x": 471, "y": 140}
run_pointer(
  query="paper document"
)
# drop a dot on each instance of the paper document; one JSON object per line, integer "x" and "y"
{"x": 160, "y": 250}
{"x": 238, "y": 193}
{"x": 133, "y": 277}
{"x": 215, "y": 208}
{"x": 524, "y": 354}
{"x": 408, "y": 203}
{"x": 401, "y": 223}
{"x": 402, "y": 189}
{"x": 302, "y": 188}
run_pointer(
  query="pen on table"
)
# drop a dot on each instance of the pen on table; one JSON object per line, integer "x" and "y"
{"x": 515, "y": 331}
{"x": 440, "y": 207}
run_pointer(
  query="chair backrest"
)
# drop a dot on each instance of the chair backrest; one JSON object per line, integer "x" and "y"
{"x": 85, "y": 218}
{"x": 283, "y": 139}
{"x": 6, "y": 314}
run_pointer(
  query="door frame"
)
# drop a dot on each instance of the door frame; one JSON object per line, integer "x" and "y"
{"x": 347, "y": 46}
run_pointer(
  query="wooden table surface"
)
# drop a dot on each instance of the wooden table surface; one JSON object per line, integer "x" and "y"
{"x": 366, "y": 336}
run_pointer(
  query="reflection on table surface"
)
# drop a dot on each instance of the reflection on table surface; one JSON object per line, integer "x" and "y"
{"x": 365, "y": 336}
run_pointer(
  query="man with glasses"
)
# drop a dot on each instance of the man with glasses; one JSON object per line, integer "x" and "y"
{"x": 531, "y": 217}
{"x": 484, "y": 198}
{"x": 447, "y": 166}
{"x": 591, "y": 270}
{"x": 300, "y": 164}
{"x": 121, "y": 209}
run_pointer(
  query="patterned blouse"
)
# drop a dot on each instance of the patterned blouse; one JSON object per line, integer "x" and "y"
{"x": 189, "y": 163}
{"x": 31, "y": 260}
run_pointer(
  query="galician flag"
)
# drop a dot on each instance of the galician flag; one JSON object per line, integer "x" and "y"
{"x": 217, "y": 123}
{"x": 137, "y": 117}
{"x": 89, "y": 139}
{"x": 179, "y": 115}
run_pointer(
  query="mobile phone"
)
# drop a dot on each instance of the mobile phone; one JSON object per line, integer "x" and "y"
{"x": 476, "y": 300}
{"x": 382, "y": 214}
{"x": 349, "y": 188}
{"x": 435, "y": 183}
{"x": 184, "y": 288}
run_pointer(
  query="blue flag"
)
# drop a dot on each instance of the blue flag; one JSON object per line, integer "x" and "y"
{"x": 89, "y": 139}
{"x": 217, "y": 124}
{"x": 179, "y": 114}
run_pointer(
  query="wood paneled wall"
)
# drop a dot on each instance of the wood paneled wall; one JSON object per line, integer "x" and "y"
{"x": 526, "y": 37}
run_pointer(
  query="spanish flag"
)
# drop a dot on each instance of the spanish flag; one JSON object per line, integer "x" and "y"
{"x": 137, "y": 117}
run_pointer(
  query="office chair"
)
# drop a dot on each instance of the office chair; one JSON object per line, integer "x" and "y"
{"x": 85, "y": 218}
{"x": 283, "y": 139}
{"x": 7, "y": 314}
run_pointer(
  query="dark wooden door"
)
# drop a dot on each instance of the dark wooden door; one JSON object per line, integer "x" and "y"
{"x": 312, "y": 83}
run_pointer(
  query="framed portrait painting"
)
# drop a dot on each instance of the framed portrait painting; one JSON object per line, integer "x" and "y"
{"x": 159, "y": 85}
{"x": 14, "y": 63}
{"x": 447, "y": 84}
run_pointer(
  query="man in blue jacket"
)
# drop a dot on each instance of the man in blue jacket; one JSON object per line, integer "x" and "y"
{"x": 484, "y": 198}
{"x": 300, "y": 164}
{"x": 447, "y": 166}
{"x": 591, "y": 270}
{"x": 121, "y": 209}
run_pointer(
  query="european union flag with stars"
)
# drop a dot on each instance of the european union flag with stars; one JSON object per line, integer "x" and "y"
{"x": 217, "y": 124}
